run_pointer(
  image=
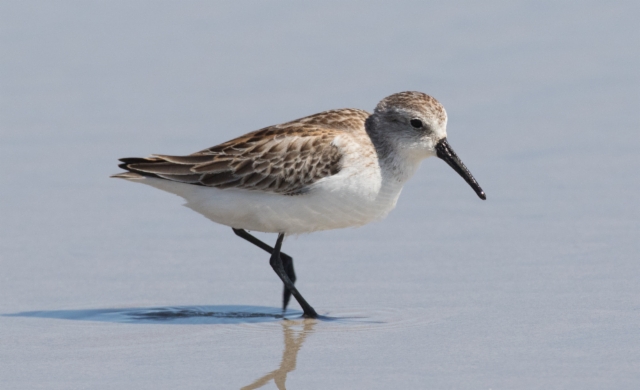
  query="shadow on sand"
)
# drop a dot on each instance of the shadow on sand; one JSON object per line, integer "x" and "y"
{"x": 294, "y": 328}
{"x": 184, "y": 315}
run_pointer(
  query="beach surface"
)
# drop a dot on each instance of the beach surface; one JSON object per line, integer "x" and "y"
{"x": 105, "y": 284}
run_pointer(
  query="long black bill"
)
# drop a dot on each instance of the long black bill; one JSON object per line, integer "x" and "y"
{"x": 444, "y": 151}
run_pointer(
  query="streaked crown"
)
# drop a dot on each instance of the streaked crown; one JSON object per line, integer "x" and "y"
{"x": 413, "y": 101}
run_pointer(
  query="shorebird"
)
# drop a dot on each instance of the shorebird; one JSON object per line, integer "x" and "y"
{"x": 335, "y": 169}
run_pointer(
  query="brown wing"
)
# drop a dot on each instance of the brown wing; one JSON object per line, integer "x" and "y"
{"x": 283, "y": 159}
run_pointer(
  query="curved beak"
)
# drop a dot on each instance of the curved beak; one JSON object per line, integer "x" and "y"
{"x": 444, "y": 151}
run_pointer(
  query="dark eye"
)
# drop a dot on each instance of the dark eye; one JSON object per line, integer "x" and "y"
{"x": 417, "y": 123}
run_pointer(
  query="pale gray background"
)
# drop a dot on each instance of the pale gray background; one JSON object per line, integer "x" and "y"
{"x": 538, "y": 287}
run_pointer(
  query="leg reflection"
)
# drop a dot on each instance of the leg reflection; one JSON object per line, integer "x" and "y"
{"x": 293, "y": 340}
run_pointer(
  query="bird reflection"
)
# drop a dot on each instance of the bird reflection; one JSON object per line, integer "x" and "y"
{"x": 293, "y": 340}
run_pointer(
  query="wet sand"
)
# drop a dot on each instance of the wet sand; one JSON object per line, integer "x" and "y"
{"x": 106, "y": 284}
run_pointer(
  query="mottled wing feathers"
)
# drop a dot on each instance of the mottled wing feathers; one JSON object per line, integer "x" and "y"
{"x": 282, "y": 159}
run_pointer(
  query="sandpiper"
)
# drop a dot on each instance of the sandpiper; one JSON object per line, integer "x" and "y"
{"x": 331, "y": 170}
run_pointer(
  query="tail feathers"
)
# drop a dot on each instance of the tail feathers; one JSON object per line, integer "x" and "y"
{"x": 128, "y": 175}
{"x": 137, "y": 160}
{"x": 128, "y": 163}
{"x": 160, "y": 167}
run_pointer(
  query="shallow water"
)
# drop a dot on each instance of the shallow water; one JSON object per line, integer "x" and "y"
{"x": 107, "y": 284}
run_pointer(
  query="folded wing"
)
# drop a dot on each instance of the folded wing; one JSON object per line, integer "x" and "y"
{"x": 285, "y": 160}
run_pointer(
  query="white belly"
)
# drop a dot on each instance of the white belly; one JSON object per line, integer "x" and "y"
{"x": 339, "y": 201}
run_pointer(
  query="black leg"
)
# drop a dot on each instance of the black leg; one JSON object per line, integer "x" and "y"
{"x": 287, "y": 262}
{"x": 276, "y": 264}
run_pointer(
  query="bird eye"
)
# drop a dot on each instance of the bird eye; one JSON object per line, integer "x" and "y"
{"x": 417, "y": 123}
